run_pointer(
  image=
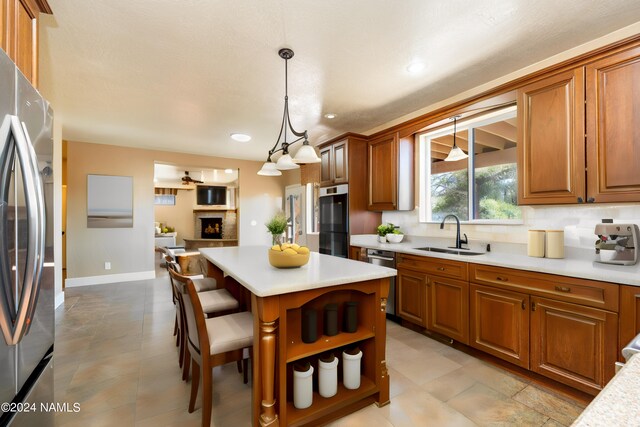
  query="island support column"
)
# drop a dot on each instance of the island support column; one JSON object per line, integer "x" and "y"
{"x": 265, "y": 320}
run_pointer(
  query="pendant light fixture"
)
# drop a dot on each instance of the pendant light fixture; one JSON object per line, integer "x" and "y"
{"x": 306, "y": 153}
{"x": 456, "y": 153}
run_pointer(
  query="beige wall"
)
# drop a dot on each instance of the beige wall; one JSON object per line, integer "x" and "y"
{"x": 180, "y": 215}
{"x": 130, "y": 250}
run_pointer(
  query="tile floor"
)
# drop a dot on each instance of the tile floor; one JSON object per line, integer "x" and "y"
{"x": 115, "y": 355}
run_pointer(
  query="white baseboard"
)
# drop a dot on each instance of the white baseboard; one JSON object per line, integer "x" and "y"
{"x": 109, "y": 278}
{"x": 59, "y": 299}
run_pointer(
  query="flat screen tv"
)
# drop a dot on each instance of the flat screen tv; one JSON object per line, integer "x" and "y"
{"x": 211, "y": 195}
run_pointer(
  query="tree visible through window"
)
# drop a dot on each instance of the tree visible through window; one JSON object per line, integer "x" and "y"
{"x": 482, "y": 187}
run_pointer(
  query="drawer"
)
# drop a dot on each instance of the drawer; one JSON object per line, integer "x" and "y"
{"x": 438, "y": 267}
{"x": 585, "y": 292}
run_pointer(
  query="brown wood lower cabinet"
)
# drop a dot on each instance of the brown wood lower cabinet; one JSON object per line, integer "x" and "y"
{"x": 629, "y": 316}
{"x": 448, "y": 307}
{"x": 500, "y": 323}
{"x": 412, "y": 296}
{"x": 573, "y": 344}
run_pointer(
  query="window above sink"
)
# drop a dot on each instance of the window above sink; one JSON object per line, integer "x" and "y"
{"x": 481, "y": 188}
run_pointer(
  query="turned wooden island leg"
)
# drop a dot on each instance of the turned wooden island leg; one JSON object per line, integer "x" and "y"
{"x": 381, "y": 327}
{"x": 268, "y": 416}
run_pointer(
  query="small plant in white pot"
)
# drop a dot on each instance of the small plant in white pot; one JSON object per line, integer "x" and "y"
{"x": 395, "y": 236}
{"x": 383, "y": 230}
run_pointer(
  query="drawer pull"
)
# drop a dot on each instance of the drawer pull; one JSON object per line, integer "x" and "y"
{"x": 502, "y": 279}
{"x": 441, "y": 269}
{"x": 563, "y": 289}
{"x": 524, "y": 306}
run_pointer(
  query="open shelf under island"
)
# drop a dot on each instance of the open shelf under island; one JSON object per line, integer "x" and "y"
{"x": 276, "y": 298}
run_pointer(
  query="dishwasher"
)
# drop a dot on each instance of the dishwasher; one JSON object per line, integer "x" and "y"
{"x": 386, "y": 259}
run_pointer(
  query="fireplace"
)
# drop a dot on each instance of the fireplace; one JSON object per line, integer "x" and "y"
{"x": 211, "y": 228}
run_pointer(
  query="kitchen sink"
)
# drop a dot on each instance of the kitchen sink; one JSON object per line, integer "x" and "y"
{"x": 452, "y": 251}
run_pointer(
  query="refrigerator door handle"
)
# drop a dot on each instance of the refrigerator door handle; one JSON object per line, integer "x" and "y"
{"x": 40, "y": 229}
{"x": 7, "y": 307}
{"x": 14, "y": 327}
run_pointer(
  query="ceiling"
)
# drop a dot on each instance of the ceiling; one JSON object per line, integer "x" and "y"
{"x": 182, "y": 76}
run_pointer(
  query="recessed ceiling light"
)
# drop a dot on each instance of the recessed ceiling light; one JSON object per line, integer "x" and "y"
{"x": 415, "y": 67}
{"x": 228, "y": 171}
{"x": 241, "y": 137}
{"x": 330, "y": 116}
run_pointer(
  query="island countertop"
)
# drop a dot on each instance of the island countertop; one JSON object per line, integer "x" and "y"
{"x": 249, "y": 265}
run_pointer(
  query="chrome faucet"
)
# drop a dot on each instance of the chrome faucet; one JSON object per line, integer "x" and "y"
{"x": 459, "y": 241}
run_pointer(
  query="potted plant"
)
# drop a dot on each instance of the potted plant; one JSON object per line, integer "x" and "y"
{"x": 383, "y": 230}
{"x": 277, "y": 226}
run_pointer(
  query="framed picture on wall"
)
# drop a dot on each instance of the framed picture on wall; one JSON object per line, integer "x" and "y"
{"x": 109, "y": 201}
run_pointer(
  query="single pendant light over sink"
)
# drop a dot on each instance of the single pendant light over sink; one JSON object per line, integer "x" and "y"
{"x": 306, "y": 153}
{"x": 456, "y": 153}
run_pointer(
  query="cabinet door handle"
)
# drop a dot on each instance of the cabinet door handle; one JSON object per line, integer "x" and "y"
{"x": 440, "y": 268}
{"x": 533, "y": 306}
{"x": 591, "y": 200}
{"x": 502, "y": 279}
{"x": 524, "y": 305}
{"x": 563, "y": 289}
{"x": 428, "y": 282}
{"x": 580, "y": 200}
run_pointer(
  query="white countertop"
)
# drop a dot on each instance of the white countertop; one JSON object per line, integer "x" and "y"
{"x": 577, "y": 262}
{"x": 618, "y": 404}
{"x": 249, "y": 265}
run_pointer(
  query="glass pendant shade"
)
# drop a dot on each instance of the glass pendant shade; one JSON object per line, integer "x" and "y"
{"x": 306, "y": 154}
{"x": 456, "y": 154}
{"x": 286, "y": 163}
{"x": 269, "y": 169}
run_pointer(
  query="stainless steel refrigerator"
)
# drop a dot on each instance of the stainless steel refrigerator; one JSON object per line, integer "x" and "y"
{"x": 26, "y": 251}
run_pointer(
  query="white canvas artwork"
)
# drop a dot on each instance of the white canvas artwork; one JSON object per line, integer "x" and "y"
{"x": 109, "y": 201}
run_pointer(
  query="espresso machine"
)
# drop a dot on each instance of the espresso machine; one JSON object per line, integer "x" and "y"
{"x": 616, "y": 243}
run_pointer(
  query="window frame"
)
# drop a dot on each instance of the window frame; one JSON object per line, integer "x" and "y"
{"x": 424, "y": 160}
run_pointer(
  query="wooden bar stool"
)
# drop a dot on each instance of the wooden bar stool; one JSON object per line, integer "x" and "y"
{"x": 213, "y": 303}
{"x": 213, "y": 342}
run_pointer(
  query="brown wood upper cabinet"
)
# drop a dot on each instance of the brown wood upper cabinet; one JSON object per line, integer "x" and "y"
{"x": 554, "y": 144}
{"x": 342, "y": 161}
{"x": 334, "y": 163}
{"x": 390, "y": 172}
{"x": 19, "y": 33}
{"x": 613, "y": 136}
{"x": 551, "y": 140}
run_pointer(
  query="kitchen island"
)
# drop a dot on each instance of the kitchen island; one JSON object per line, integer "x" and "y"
{"x": 277, "y": 298}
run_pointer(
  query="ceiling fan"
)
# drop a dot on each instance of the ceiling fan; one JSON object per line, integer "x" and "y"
{"x": 186, "y": 179}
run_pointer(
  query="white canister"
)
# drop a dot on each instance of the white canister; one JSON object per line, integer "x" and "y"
{"x": 351, "y": 369}
{"x": 302, "y": 386}
{"x": 535, "y": 244}
{"x": 555, "y": 244}
{"x": 382, "y": 239}
{"x": 328, "y": 376}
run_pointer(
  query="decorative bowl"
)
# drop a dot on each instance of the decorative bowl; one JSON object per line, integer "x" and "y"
{"x": 395, "y": 238}
{"x": 286, "y": 259}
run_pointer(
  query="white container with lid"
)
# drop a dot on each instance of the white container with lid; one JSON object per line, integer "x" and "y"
{"x": 302, "y": 386}
{"x": 351, "y": 370}
{"x": 328, "y": 376}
